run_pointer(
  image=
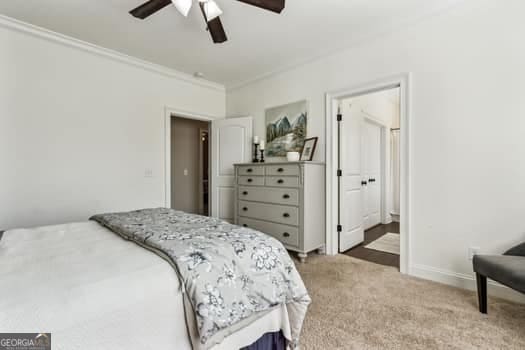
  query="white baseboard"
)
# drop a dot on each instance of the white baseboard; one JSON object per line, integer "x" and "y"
{"x": 464, "y": 281}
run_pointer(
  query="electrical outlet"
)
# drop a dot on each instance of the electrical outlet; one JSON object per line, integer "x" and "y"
{"x": 473, "y": 251}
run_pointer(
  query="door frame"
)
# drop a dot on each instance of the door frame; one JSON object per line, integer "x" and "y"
{"x": 201, "y": 171}
{"x": 170, "y": 112}
{"x": 403, "y": 81}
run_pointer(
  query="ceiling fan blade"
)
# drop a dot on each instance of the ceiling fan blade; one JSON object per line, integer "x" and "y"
{"x": 270, "y": 5}
{"x": 215, "y": 27}
{"x": 149, "y": 8}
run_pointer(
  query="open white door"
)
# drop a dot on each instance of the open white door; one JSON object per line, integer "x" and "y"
{"x": 350, "y": 181}
{"x": 231, "y": 141}
{"x": 371, "y": 173}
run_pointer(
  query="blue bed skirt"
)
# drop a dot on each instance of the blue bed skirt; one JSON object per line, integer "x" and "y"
{"x": 269, "y": 341}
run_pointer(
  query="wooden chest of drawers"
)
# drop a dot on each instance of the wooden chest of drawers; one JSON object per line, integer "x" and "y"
{"x": 284, "y": 200}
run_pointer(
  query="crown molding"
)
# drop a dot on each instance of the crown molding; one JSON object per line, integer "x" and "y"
{"x": 378, "y": 34}
{"x": 30, "y": 29}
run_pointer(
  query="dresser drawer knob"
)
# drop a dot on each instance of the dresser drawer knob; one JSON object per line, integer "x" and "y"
{"x": 280, "y": 181}
{"x": 250, "y": 170}
{"x": 245, "y": 193}
{"x": 244, "y": 225}
{"x": 250, "y": 180}
{"x": 280, "y": 170}
{"x": 286, "y": 215}
{"x": 286, "y": 234}
{"x": 286, "y": 196}
{"x": 244, "y": 209}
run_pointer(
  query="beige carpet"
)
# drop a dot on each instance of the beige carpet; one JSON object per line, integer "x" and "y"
{"x": 360, "y": 305}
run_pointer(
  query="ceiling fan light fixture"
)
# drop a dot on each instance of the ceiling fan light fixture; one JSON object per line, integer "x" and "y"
{"x": 183, "y": 6}
{"x": 211, "y": 9}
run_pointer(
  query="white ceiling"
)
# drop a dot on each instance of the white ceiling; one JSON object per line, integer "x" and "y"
{"x": 260, "y": 42}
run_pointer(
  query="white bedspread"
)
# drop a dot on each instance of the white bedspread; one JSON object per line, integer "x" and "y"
{"x": 93, "y": 290}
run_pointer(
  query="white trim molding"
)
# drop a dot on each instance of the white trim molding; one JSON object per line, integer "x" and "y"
{"x": 403, "y": 82}
{"x": 30, "y": 29}
{"x": 464, "y": 281}
{"x": 380, "y": 32}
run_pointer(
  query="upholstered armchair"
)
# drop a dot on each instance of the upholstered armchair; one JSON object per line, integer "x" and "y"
{"x": 507, "y": 269}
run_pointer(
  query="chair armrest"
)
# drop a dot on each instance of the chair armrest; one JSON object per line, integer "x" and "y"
{"x": 518, "y": 250}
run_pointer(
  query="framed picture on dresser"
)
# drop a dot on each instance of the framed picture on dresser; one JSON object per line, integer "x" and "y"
{"x": 307, "y": 153}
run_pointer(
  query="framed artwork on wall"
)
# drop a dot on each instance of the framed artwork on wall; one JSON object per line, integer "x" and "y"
{"x": 286, "y": 128}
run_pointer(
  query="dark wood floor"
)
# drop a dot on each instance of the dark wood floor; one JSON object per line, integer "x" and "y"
{"x": 360, "y": 252}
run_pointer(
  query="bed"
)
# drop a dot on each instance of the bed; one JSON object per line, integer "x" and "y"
{"x": 93, "y": 287}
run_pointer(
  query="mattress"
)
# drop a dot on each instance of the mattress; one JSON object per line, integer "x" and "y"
{"x": 93, "y": 290}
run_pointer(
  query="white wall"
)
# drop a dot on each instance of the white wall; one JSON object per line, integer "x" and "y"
{"x": 78, "y": 130}
{"x": 468, "y": 125}
{"x": 379, "y": 106}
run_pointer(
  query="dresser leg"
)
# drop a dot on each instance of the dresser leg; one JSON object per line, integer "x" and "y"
{"x": 322, "y": 250}
{"x": 302, "y": 257}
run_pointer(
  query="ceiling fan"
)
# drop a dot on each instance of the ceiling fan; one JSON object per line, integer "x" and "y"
{"x": 209, "y": 8}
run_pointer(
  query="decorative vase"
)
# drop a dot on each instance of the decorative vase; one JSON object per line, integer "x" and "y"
{"x": 293, "y": 156}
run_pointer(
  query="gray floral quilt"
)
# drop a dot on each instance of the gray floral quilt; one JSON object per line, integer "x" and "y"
{"x": 229, "y": 273}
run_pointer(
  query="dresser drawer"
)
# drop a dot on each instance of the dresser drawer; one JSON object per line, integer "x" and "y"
{"x": 251, "y": 170}
{"x": 282, "y": 181}
{"x": 251, "y": 180}
{"x": 282, "y": 170}
{"x": 287, "y": 196}
{"x": 270, "y": 212}
{"x": 288, "y": 235}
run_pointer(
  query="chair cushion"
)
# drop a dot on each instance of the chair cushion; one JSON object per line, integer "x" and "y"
{"x": 507, "y": 270}
{"x": 518, "y": 250}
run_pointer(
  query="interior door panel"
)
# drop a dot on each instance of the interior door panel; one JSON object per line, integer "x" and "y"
{"x": 372, "y": 133}
{"x": 231, "y": 143}
{"x": 350, "y": 189}
{"x": 360, "y": 184}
